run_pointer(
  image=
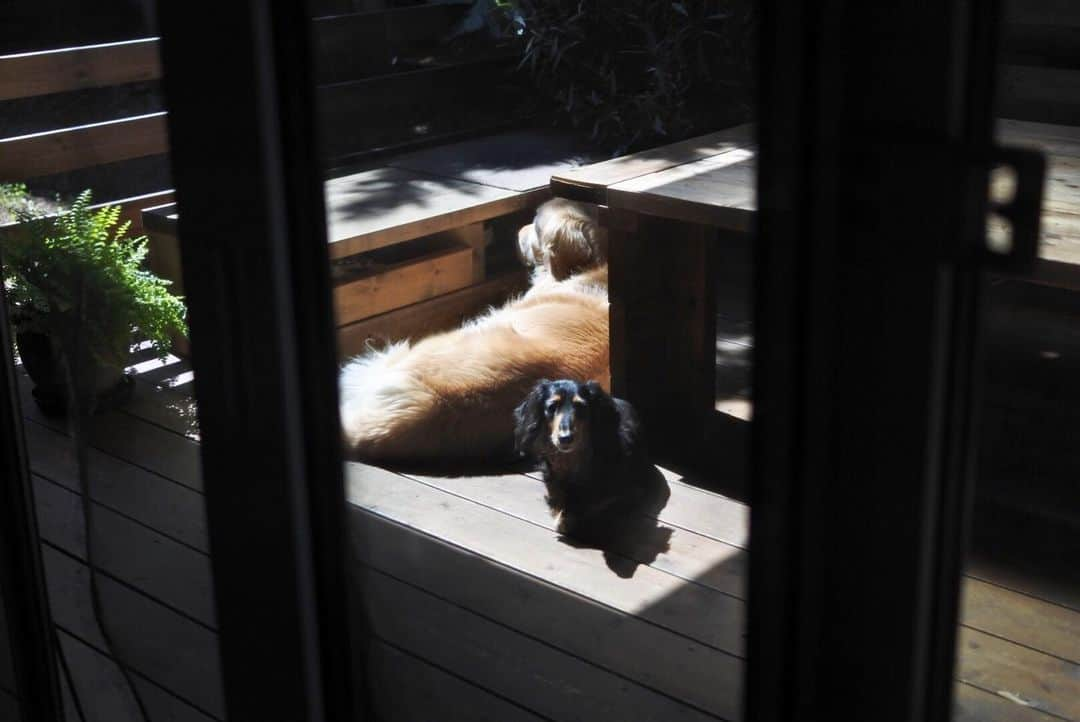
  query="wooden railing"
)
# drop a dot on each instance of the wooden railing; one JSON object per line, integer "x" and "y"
{"x": 92, "y": 66}
{"x": 383, "y": 76}
{"x": 62, "y": 150}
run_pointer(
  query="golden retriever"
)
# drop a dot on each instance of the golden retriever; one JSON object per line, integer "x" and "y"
{"x": 452, "y": 395}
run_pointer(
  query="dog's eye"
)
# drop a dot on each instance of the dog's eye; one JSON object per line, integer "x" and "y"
{"x": 580, "y": 405}
{"x": 549, "y": 410}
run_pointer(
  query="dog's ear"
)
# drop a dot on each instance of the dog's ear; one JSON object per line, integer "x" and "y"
{"x": 592, "y": 391}
{"x": 529, "y": 419}
{"x": 530, "y": 251}
{"x": 570, "y": 246}
{"x": 603, "y": 419}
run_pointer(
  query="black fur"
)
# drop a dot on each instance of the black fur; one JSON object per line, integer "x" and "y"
{"x": 606, "y": 472}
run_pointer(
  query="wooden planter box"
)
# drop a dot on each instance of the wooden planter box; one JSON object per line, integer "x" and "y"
{"x": 378, "y": 286}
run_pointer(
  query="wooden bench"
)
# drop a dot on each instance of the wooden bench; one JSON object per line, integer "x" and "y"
{"x": 410, "y": 241}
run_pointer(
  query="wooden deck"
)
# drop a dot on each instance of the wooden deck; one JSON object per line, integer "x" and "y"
{"x": 479, "y": 610}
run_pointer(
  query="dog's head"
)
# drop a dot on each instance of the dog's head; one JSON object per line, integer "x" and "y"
{"x": 563, "y": 238}
{"x": 562, "y": 417}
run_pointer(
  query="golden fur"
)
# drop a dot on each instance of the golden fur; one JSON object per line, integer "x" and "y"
{"x": 563, "y": 239}
{"x": 452, "y": 395}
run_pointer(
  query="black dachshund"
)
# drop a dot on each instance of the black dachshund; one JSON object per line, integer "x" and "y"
{"x": 592, "y": 452}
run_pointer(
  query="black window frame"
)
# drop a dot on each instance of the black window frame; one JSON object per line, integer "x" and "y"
{"x": 30, "y": 632}
{"x": 245, "y": 158}
{"x": 246, "y": 168}
{"x": 857, "y": 549}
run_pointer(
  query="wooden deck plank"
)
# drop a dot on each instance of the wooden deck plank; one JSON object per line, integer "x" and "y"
{"x": 1061, "y": 194}
{"x": 177, "y": 412}
{"x": 522, "y": 160}
{"x": 532, "y": 674}
{"x": 408, "y": 689}
{"x": 166, "y": 706}
{"x": 104, "y": 693}
{"x": 1011, "y": 573}
{"x": 1030, "y": 621}
{"x": 150, "y": 447}
{"x": 377, "y": 208}
{"x": 148, "y": 498}
{"x": 1044, "y": 682}
{"x": 590, "y": 182}
{"x": 161, "y": 645}
{"x": 702, "y": 512}
{"x": 639, "y": 651}
{"x": 689, "y": 556}
{"x": 696, "y": 612}
{"x": 139, "y": 443}
{"x": 972, "y": 704}
{"x": 99, "y": 684}
{"x": 1060, "y": 238}
{"x": 175, "y": 575}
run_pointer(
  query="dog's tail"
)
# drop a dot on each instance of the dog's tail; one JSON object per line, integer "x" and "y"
{"x": 380, "y": 400}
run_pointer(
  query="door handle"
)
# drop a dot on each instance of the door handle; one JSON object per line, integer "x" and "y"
{"x": 1011, "y": 239}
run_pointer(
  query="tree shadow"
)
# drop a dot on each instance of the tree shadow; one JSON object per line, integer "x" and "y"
{"x": 512, "y": 161}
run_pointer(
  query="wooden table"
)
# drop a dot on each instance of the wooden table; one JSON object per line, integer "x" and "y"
{"x": 667, "y": 208}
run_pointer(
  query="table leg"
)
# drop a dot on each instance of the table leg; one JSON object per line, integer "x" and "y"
{"x": 663, "y": 324}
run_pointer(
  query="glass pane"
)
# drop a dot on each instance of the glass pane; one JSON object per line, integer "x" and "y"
{"x": 513, "y": 550}
{"x": 133, "y": 599}
{"x": 1019, "y": 640}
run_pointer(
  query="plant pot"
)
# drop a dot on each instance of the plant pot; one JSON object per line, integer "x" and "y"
{"x": 42, "y": 363}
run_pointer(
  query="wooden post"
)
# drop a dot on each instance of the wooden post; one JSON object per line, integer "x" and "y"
{"x": 663, "y": 326}
{"x": 164, "y": 260}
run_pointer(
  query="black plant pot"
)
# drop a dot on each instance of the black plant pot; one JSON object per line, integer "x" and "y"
{"x": 42, "y": 364}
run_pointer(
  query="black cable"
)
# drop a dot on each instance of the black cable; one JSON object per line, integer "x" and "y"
{"x": 81, "y": 396}
{"x": 66, "y": 669}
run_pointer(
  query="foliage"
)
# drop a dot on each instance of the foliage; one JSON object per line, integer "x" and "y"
{"x": 80, "y": 272}
{"x": 636, "y": 72}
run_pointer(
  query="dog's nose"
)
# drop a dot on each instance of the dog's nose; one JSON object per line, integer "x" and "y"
{"x": 566, "y": 437}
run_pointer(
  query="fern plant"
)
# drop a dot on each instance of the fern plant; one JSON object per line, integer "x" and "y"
{"x": 80, "y": 272}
